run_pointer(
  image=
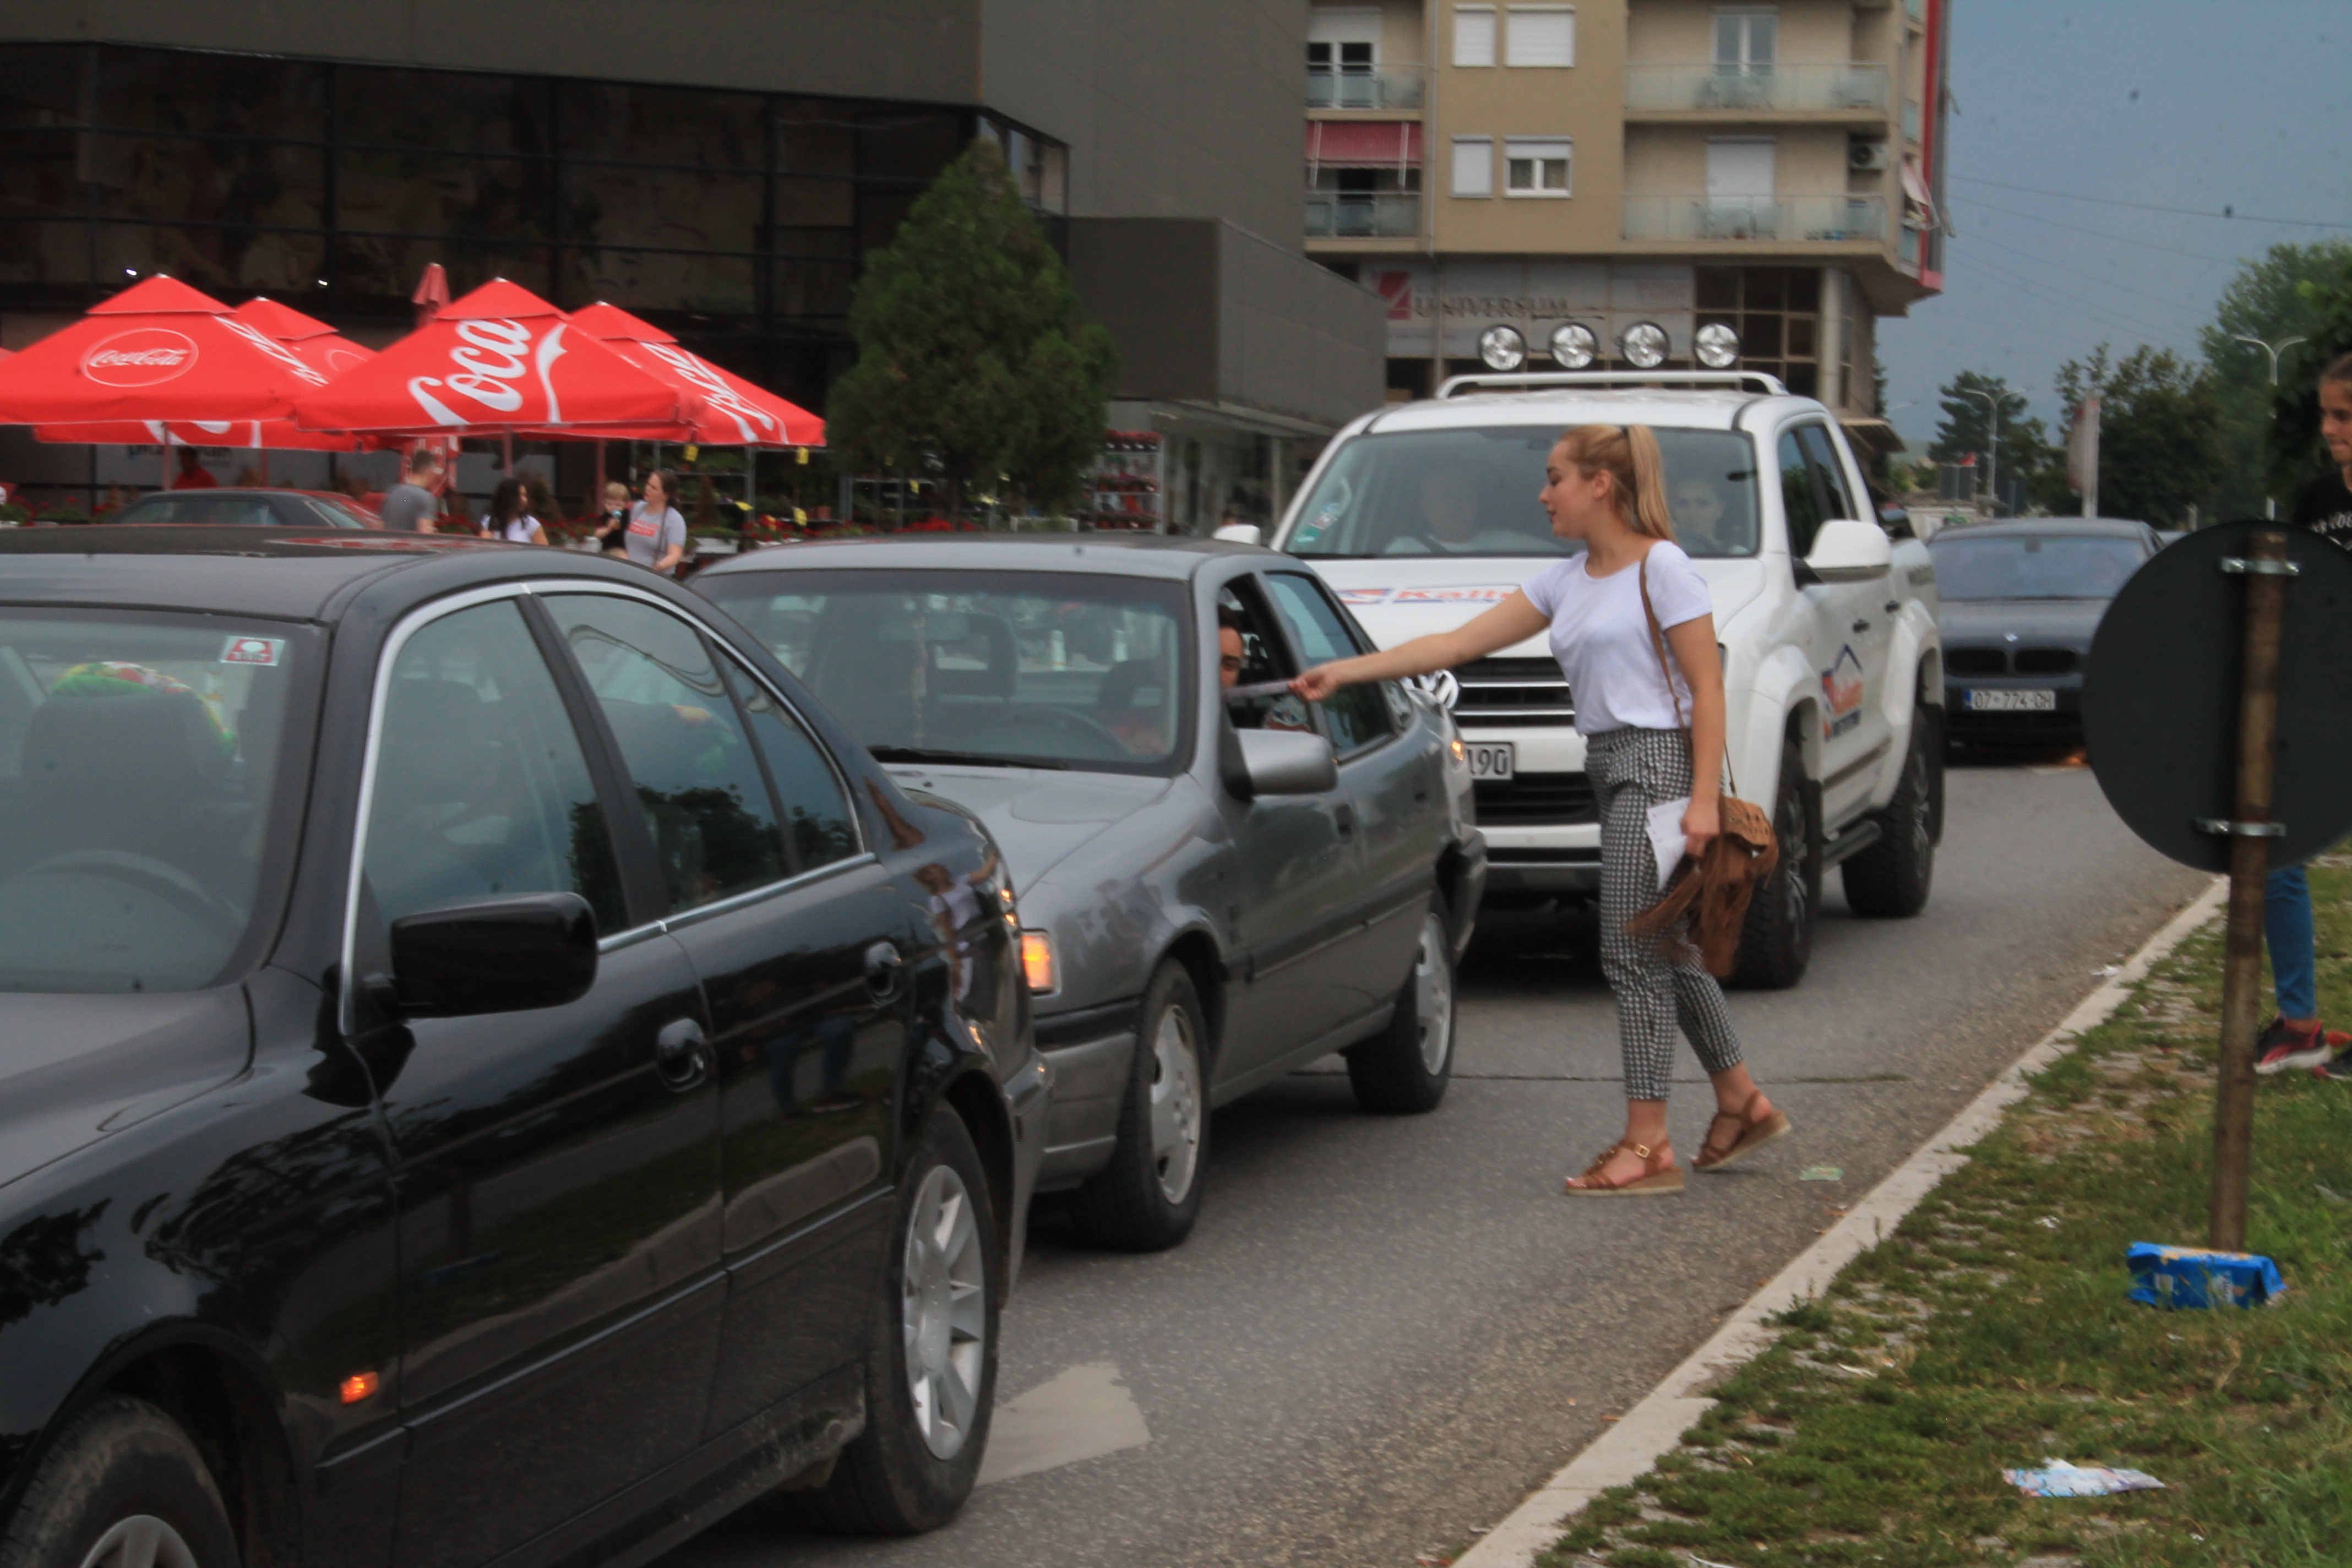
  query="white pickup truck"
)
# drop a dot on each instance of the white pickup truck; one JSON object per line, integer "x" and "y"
{"x": 1423, "y": 514}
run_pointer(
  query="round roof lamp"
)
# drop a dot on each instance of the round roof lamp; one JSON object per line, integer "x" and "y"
{"x": 1574, "y": 346}
{"x": 1644, "y": 345}
{"x": 1716, "y": 346}
{"x": 1502, "y": 348}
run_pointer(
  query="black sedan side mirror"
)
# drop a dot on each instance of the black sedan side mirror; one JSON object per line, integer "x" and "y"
{"x": 493, "y": 955}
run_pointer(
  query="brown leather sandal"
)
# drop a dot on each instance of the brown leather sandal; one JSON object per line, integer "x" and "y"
{"x": 1748, "y": 1135}
{"x": 1655, "y": 1179}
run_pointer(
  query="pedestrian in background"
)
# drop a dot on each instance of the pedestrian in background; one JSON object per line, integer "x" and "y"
{"x": 2295, "y": 1038}
{"x": 411, "y": 505}
{"x": 1604, "y": 487}
{"x": 657, "y": 534}
{"x": 612, "y": 527}
{"x": 193, "y": 475}
{"x": 510, "y": 516}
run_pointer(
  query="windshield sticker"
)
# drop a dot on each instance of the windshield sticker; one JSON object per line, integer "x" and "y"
{"x": 252, "y": 650}
{"x": 1841, "y": 685}
{"x": 1365, "y": 595}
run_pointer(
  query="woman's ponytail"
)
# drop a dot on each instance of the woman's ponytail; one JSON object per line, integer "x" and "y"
{"x": 1650, "y": 514}
{"x": 1629, "y": 455}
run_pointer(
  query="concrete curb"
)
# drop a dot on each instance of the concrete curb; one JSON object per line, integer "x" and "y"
{"x": 1627, "y": 1450}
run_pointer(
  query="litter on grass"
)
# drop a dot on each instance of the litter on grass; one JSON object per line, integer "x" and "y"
{"x": 2179, "y": 1277}
{"x": 2056, "y": 1478}
{"x": 1821, "y": 1173}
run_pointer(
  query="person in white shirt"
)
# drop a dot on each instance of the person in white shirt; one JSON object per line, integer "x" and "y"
{"x": 1604, "y": 488}
{"x": 510, "y": 516}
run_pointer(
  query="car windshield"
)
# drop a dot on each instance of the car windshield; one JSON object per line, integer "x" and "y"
{"x": 1473, "y": 492}
{"x": 136, "y": 753}
{"x": 2033, "y": 566}
{"x": 231, "y": 510}
{"x": 1037, "y": 668}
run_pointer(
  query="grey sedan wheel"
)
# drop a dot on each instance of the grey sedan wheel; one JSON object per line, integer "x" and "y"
{"x": 1148, "y": 1197}
{"x": 1406, "y": 1067}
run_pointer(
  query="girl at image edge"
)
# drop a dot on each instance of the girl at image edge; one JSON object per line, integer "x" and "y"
{"x": 1604, "y": 485}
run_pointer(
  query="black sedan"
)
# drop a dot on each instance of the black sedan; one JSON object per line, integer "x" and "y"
{"x": 2020, "y": 601}
{"x": 488, "y": 1068}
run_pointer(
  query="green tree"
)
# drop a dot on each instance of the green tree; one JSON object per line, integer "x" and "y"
{"x": 2296, "y": 450}
{"x": 2274, "y": 299}
{"x": 1967, "y": 426}
{"x": 972, "y": 351}
{"x": 2161, "y": 447}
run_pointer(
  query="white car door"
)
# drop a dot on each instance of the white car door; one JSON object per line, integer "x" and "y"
{"x": 1846, "y": 636}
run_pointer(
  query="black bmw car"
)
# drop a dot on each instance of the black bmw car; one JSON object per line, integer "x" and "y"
{"x": 488, "y": 1068}
{"x": 2020, "y": 601}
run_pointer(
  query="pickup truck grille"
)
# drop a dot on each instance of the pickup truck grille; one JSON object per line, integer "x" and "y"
{"x": 1516, "y": 692}
{"x": 1536, "y": 800}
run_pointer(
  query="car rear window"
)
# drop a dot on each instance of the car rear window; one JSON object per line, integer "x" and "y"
{"x": 2030, "y": 567}
{"x": 136, "y": 755}
{"x": 1473, "y": 492}
{"x": 232, "y": 511}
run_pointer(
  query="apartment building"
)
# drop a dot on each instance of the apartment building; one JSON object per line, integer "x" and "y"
{"x": 1536, "y": 184}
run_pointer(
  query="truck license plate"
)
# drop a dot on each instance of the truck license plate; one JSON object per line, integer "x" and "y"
{"x": 1491, "y": 759}
{"x": 2012, "y": 702}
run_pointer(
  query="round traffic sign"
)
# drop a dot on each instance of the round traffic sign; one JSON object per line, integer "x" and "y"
{"x": 2160, "y": 698}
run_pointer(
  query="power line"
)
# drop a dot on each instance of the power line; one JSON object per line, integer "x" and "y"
{"x": 2101, "y": 234}
{"x": 2059, "y": 296}
{"x": 2062, "y": 267}
{"x": 2226, "y": 213}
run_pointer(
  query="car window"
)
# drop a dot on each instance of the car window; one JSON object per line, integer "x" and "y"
{"x": 697, "y": 778}
{"x": 136, "y": 758}
{"x": 234, "y": 511}
{"x": 816, "y": 815}
{"x": 1799, "y": 500}
{"x": 1473, "y": 492}
{"x": 339, "y": 513}
{"x": 1359, "y": 715}
{"x": 481, "y": 786}
{"x": 2030, "y": 566}
{"x": 1828, "y": 472}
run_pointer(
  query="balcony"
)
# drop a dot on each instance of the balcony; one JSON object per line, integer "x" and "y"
{"x": 1831, "y": 91}
{"x": 1364, "y": 87}
{"x": 1775, "y": 219}
{"x": 1367, "y": 216}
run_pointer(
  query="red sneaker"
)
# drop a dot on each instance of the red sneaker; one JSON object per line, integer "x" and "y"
{"x": 2281, "y": 1047}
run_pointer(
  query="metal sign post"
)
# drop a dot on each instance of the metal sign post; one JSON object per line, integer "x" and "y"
{"x": 2266, "y": 570}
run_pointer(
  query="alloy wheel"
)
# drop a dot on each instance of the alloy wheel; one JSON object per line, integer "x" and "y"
{"x": 1432, "y": 990}
{"x": 1797, "y": 863}
{"x": 944, "y": 1313}
{"x": 142, "y": 1541}
{"x": 1176, "y": 1105}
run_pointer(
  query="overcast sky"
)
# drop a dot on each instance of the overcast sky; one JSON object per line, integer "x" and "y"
{"x": 2179, "y": 103}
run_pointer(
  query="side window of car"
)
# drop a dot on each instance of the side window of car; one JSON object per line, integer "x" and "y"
{"x": 816, "y": 817}
{"x": 1799, "y": 499}
{"x": 1358, "y": 715}
{"x": 1828, "y": 472}
{"x": 697, "y": 781}
{"x": 481, "y": 786}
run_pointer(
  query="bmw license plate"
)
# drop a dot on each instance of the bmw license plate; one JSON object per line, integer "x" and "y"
{"x": 1491, "y": 759}
{"x": 2012, "y": 702}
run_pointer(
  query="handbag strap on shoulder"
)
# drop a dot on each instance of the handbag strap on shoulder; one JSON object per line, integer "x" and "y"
{"x": 1658, "y": 646}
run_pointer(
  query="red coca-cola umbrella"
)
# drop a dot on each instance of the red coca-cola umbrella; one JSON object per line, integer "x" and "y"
{"x": 159, "y": 349}
{"x": 723, "y": 409}
{"x": 498, "y": 361}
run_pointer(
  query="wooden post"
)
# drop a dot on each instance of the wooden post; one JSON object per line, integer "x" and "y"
{"x": 2250, "y": 854}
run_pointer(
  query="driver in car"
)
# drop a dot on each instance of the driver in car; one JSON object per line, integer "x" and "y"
{"x": 1696, "y": 507}
{"x": 1448, "y": 495}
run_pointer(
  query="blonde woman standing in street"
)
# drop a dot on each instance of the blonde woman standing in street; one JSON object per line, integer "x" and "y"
{"x": 1604, "y": 488}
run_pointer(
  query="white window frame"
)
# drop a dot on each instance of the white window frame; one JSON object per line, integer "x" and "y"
{"x": 1541, "y": 150}
{"x": 1746, "y": 62}
{"x": 1473, "y": 15}
{"x": 1511, "y": 36}
{"x": 1481, "y": 148}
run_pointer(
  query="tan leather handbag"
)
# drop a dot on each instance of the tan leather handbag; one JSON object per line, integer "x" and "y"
{"x": 1714, "y": 890}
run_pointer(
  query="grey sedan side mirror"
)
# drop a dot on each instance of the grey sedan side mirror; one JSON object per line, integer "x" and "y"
{"x": 1287, "y": 761}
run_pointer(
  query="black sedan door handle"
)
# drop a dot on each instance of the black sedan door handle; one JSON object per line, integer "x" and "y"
{"x": 677, "y": 1054}
{"x": 884, "y": 970}
{"x": 1345, "y": 816}
{"x": 1892, "y": 606}
{"x": 1861, "y": 626}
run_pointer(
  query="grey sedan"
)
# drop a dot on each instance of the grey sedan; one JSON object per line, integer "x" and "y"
{"x": 1214, "y": 887}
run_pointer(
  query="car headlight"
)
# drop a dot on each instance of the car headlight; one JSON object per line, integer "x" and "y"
{"x": 1717, "y": 346}
{"x": 1502, "y": 348}
{"x": 1574, "y": 346}
{"x": 1037, "y": 961}
{"x": 1644, "y": 345}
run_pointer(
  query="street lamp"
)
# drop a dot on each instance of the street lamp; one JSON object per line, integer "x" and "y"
{"x": 1992, "y": 448}
{"x": 2270, "y": 503}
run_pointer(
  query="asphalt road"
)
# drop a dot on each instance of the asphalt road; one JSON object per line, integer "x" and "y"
{"x": 1385, "y": 1332}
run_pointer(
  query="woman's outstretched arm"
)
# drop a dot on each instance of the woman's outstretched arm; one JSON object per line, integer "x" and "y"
{"x": 1515, "y": 620}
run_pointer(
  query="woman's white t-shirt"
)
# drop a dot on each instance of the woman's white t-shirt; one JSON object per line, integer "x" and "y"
{"x": 1601, "y": 638}
{"x": 515, "y": 531}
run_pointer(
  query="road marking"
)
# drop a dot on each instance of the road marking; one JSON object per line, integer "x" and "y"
{"x": 1629, "y": 1448}
{"x": 1083, "y": 1413}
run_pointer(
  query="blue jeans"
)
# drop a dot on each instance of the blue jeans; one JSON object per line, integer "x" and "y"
{"x": 2286, "y": 928}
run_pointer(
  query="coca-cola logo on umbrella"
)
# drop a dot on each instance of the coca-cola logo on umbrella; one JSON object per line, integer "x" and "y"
{"x": 145, "y": 356}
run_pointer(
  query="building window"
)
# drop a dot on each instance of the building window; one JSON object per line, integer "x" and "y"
{"x": 1541, "y": 35}
{"x": 1535, "y": 167}
{"x": 1473, "y": 166}
{"x": 1747, "y": 39}
{"x": 1474, "y": 36}
{"x": 1776, "y": 311}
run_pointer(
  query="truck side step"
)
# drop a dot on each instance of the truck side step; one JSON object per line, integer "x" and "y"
{"x": 1852, "y": 842}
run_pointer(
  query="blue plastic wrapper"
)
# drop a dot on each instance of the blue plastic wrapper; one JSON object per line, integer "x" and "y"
{"x": 2059, "y": 1479}
{"x": 2183, "y": 1277}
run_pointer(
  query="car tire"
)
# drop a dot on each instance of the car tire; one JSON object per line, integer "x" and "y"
{"x": 1890, "y": 879}
{"x": 1777, "y": 941}
{"x": 1147, "y": 1197}
{"x": 123, "y": 1486}
{"x": 1404, "y": 1068}
{"x": 917, "y": 1460}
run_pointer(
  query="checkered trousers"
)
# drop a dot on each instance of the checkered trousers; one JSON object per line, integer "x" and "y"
{"x": 1631, "y": 771}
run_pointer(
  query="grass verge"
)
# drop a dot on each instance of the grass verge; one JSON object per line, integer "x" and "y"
{"x": 1991, "y": 1331}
